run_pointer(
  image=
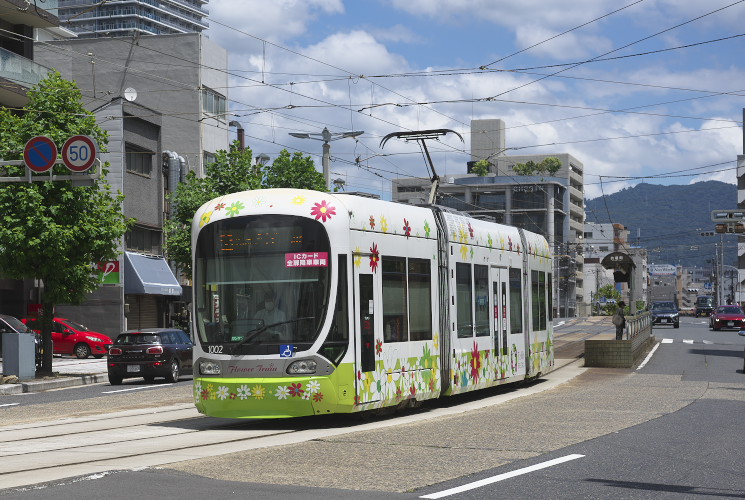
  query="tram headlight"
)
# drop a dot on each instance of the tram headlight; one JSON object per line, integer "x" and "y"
{"x": 302, "y": 367}
{"x": 209, "y": 368}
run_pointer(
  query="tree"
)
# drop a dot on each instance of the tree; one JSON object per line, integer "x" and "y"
{"x": 231, "y": 172}
{"x": 481, "y": 168}
{"x": 548, "y": 166}
{"x": 52, "y": 230}
{"x": 296, "y": 171}
{"x": 611, "y": 295}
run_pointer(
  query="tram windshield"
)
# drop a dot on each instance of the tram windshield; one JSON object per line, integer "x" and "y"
{"x": 260, "y": 282}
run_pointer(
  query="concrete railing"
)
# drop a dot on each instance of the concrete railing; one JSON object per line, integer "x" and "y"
{"x": 622, "y": 353}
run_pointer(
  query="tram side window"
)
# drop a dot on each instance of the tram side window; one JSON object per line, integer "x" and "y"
{"x": 420, "y": 299}
{"x": 550, "y": 287}
{"x": 463, "y": 300}
{"x": 516, "y": 301}
{"x": 538, "y": 303}
{"x": 395, "y": 313}
{"x": 481, "y": 287}
{"x": 338, "y": 340}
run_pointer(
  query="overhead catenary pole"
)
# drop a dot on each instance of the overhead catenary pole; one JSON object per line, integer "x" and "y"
{"x": 327, "y": 137}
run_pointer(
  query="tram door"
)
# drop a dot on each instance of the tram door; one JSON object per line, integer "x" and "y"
{"x": 501, "y": 311}
{"x": 367, "y": 324}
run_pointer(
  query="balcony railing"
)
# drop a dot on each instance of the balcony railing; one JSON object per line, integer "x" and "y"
{"x": 20, "y": 69}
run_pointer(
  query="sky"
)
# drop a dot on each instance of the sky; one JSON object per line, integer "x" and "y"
{"x": 637, "y": 90}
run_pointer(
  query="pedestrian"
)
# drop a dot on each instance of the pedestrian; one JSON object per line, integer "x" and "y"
{"x": 619, "y": 320}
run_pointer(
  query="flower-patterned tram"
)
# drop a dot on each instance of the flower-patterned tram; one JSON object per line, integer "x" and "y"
{"x": 310, "y": 303}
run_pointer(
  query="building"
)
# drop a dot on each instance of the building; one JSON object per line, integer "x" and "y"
{"x": 19, "y": 27}
{"x": 133, "y": 17}
{"x": 162, "y": 100}
{"x": 601, "y": 239}
{"x": 552, "y": 206}
{"x": 740, "y": 294}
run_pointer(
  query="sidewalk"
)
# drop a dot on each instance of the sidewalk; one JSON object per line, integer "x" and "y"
{"x": 71, "y": 372}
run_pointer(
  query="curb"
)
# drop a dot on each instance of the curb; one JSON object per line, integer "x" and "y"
{"x": 57, "y": 383}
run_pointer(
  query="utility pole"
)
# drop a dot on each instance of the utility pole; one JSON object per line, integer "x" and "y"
{"x": 327, "y": 137}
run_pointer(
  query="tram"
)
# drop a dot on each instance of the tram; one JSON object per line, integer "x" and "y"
{"x": 311, "y": 303}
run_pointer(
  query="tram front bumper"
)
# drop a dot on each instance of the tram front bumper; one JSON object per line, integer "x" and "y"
{"x": 271, "y": 397}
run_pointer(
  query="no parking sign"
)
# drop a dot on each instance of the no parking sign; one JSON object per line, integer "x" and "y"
{"x": 40, "y": 153}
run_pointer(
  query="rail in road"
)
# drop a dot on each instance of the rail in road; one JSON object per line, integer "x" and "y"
{"x": 49, "y": 451}
{"x": 55, "y": 449}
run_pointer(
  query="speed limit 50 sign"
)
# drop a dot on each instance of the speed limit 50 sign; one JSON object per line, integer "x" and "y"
{"x": 79, "y": 153}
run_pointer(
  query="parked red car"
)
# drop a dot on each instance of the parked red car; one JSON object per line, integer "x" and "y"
{"x": 730, "y": 316}
{"x": 70, "y": 337}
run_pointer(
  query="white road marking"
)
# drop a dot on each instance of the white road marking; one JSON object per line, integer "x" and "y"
{"x": 708, "y": 342}
{"x": 502, "y": 477}
{"x": 667, "y": 341}
{"x": 10, "y": 404}
{"x": 688, "y": 341}
{"x": 136, "y": 388}
{"x": 649, "y": 356}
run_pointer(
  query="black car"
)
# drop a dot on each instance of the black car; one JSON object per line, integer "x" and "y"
{"x": 150, "y": 353}
{"x": 665, "y": 313}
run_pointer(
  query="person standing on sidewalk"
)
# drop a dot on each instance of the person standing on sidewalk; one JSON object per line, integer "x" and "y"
{"x": 619, "y": 319}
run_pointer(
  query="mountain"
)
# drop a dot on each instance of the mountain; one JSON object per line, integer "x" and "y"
{"x": 668, "y": 220}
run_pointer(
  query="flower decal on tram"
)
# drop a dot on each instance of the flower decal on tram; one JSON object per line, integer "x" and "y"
{"x": 323, "y": 211}
{"x": 374, "y": 257}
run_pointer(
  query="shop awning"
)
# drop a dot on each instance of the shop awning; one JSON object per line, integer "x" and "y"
{"x": 148, "y": 275}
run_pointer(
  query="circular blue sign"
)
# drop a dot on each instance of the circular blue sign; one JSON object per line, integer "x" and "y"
{"x": 40, "y": 153}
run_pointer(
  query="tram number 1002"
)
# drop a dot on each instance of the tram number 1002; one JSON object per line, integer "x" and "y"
{"x": 214, "y": 349}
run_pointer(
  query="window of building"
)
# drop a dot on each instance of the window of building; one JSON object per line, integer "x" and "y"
{"x": 490, "y": 201}
{"x": 208, "y": 158}
{"x": 213, "y": 103}
{"x": 528, "y": 197}
{"x": 143, "y": 240}
{"x": 138, "y": 160}
{"x": 453, "y": 200}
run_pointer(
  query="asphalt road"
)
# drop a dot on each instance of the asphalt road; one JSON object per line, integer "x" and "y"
{"x": 667, "y": 429}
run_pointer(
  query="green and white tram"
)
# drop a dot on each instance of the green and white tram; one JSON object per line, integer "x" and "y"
{"x": 309, "y": 303}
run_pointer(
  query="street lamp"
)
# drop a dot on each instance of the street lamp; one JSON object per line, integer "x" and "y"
{"x": 326, "y": 137}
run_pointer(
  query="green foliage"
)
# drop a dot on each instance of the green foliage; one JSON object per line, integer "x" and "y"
{"x": 296, "y": 171}
{"x": 548, "y": 166}
{"x": 481, "y": 168}
{"x": 609, "y": 293}
{"x": 231, "y": 172}
{"x": 51, "y": 230}
{"x": 671, "y": 219}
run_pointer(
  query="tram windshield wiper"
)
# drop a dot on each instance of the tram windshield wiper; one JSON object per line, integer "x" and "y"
{"x": 252, "y": 334}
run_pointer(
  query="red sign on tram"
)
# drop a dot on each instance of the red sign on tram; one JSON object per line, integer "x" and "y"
{"x": 307, "y": 259}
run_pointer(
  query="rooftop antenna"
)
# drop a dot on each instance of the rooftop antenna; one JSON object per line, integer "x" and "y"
{"x": 420, "y": 136}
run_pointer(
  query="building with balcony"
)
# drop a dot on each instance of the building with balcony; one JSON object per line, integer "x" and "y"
{"x": 552, "y": 206}
{"x": 163, "y": 103}
{"x": 133, "y": 17}
{"x": 19, "y": 27}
